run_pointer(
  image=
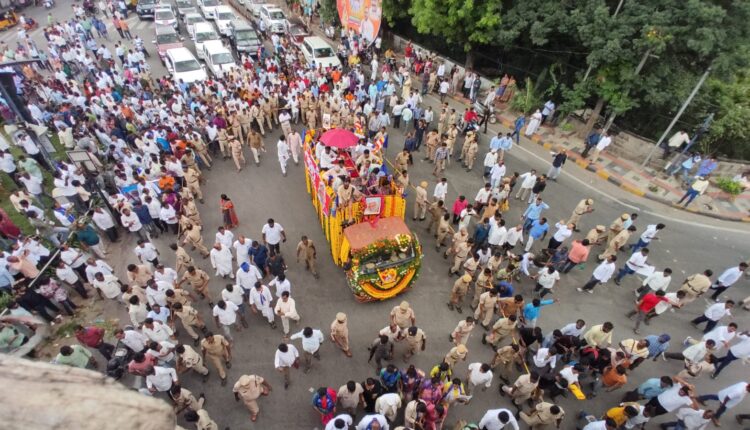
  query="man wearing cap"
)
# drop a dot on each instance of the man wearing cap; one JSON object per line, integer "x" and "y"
{"x": 543, "y": 414}
{"x": 416, "y": 341}
{"x": 582, "y": 208}
{"x": 403, "y": 315}
{"x": 696, "y": 285}
{"x": 456, "y": 354}
{"x": 617, "y": 242}
{"x": 420, "y": 202}
{"x": 616, "y": 227}
{"x": 340, "y": 333}
{"x": 596, "y": 235}
{"x": 460, "y": 334}
{"x": 458, "y": 292}
{"x": 248, "y": 389}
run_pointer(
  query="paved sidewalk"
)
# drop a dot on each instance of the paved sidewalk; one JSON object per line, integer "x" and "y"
{"x": 644, "y": 183}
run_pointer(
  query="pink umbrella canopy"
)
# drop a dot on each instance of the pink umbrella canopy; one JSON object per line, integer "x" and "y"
{"x": 339, "y": 138}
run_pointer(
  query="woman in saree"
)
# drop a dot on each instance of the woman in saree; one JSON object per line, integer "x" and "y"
{"x": 227, "y": 211}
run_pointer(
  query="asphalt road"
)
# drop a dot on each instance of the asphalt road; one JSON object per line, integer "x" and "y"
{"x": 688, "y": 245}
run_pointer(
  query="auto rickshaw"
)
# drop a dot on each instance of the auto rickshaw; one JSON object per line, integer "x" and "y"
{"x": 8, "y": 19}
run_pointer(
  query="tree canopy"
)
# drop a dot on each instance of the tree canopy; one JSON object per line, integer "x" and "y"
{"x": 679, "y": 40}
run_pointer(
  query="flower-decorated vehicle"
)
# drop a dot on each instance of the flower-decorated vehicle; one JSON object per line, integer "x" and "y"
{"x": 368, "y": 235}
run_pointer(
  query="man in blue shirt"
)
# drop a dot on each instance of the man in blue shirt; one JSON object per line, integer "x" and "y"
{"x": 506, "y": 143}
{"x": 657, "y": 345}
{"x": 517, "y": 127}
{"x": 6, "y": 280}
{"x": 649, "y": 389}
{"x": 496, "y": 141}
{"x": 532, "y": 310}
{"x": 537, "y": 231}
{"x": 533, "y": 213}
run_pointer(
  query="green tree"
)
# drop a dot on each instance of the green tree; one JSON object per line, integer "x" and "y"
{"x": 468, "y": 23}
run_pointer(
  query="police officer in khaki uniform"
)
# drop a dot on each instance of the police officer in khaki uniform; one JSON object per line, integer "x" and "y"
{"x": 189, "y": 359}
{"x": 420, "y": 201}
{"x": 248, "y": 389}
{"x": 543, "y": 414}
{"x": 218, "y": 351}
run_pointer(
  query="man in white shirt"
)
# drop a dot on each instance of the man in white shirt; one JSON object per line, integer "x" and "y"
{"x": 498, "y": 419}
{"x": 225, "y": 316}
{"x": 166, "y": 275}
{"x": 273, "y": 234}
{"x": 131, "y": 338}
{"x": 496, "y": 173}
{"x": 260, "y": 299}
{"x": 133, "y": 224}
{"x": 647, "y": 236}
{"x": 107, "y": 286}
{"x": 287, "y": 310}
{"x": 155, "y": 331}
{"x": 234, "y": 294}
{"x": 563, "y": 232}
{"x": 657, "y": 281}
{"x": 694, "y": 353}
{"x": 311, "y": 340}
{"x": 104, "y": 222}
{"x": 282, "y": 284}
{"x": 721, "y": 335}
{"x": 545, "y": 280}
{"x": 601, "y": 274}
{"x": 366, "y": 423}
{"x": 528, "y": 180}
{"x": 713, "y": 314}
{"x": 225, "y": 237}
{"x": 441, "y": 190}
{"x": 340, "y": 422}
{"x": 636, "y": 262}
{"x": 738, "y": 351}
{"x": 672, "y": 399}
{"x": 160, "y": 379}
{"x": 479, "y": 374}
{"x": 241, "y": 248}
{"x": 388, "y": 405}
{"x": 247, "y": 275}
{"x": 147, "y": 253}
{"x": 727, "y": 278}
{"x": 574, "y": 329}
{"x": 691, "y": 419}
{"x": 221, "y": 260}
{"x": 285, "y": 357}
{"x": 728, "y": 398}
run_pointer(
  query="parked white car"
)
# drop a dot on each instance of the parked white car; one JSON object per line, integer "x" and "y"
{"x": 254, "y": 6}
{"x": 319, "y": 51}
{"x": 218, "y": 58}
{"x": 166, "y": 17}
{"x": 202, "y": 33}
{"x": 191, "y": 19}
{"x": 224, "y": 15}
{"x": 273, "y": 18}
{"x": 208, "y": 8}
{"x": 183, "y": 66}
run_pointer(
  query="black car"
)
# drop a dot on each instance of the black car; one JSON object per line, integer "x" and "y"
{"x": 244, "y": 38}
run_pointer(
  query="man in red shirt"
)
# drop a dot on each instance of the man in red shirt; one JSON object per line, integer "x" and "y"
{"x": 644, "y": 306}
{"x": 93, "y": 337}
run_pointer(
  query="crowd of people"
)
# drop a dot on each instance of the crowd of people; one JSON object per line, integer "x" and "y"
{"x": 152, "y": 141}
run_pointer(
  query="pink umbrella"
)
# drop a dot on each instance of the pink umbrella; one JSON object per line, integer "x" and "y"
{"x": 339, "y": 138}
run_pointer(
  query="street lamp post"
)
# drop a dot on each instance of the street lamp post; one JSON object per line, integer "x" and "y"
{"x": 677, "y": 117}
